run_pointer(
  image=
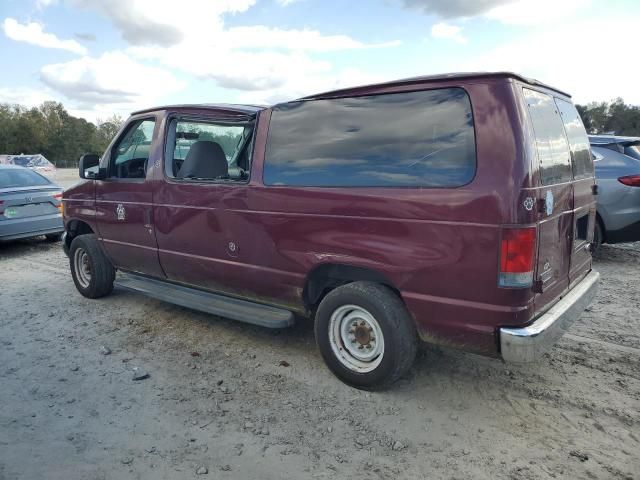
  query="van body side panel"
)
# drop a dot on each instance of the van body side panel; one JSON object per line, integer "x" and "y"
{"x": 437, "y": 246}
{"x": 80, "y": 204}
{"x": 208, "y": 237}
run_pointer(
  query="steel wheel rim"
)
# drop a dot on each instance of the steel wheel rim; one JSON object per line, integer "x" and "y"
{"x": 82, "y": 267}
{"x": 356, "y": 338}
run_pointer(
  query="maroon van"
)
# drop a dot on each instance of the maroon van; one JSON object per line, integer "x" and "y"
{"x": 456, "y": 209}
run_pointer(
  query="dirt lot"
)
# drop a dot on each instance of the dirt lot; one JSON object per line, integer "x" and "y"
{"x": 243, "y": 402}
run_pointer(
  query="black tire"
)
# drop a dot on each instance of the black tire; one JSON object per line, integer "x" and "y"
{"x": 101, "y": 274}
{"x": 53, "y": 237}
{"x": 400, "y": 339}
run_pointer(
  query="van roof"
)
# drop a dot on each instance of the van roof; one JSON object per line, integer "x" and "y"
{"x": 433, "y": 79}
{"x": 249, "y": 109}
{"x": 224, "y": 107}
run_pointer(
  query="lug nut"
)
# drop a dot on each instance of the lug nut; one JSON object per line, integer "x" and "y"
{"x": 360, "y": 347}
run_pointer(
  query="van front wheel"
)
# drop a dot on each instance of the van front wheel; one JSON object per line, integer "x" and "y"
{"x": 366, "y": 335}
{"x": 91, "y": 270}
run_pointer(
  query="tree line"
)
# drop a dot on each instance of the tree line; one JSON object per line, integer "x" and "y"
{"x": 51, "y": 131}
{"x": 62, "y": 138}
{"x": 614, "y": 117}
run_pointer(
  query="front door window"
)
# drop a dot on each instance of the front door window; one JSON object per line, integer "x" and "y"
{"x": 130, "y": 156}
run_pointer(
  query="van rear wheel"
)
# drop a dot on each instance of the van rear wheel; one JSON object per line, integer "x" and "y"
{"x": 366, "y": 335}
{"x": 91, "y": 270}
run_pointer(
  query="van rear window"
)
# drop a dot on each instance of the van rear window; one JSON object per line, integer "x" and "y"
{"x": 423, "y": 138}
{"x": 578, "y": 140}
{"x": 553, "y": 151}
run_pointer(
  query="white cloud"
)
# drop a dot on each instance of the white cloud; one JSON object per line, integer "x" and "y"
{"x": 454, "y": 8}
{"x": 114, "y": 78}
{"x": 298, "y": 40}
{"x": 286, "y": 3}
{"x": 45, "y": 3}
{"x": 451, "y": 32}
{"x": 513, "y": 12}
{"x": 246, "y": 58}
{"x": 33, "y": 34}
{"x": 558, "y": 57}
{"x": 298, "y": 84}
{"x": 263, "y": 64}
{"x": 29, "y": 97}
{"x": 535, "y": 12}
{"x": 150, "y": 22}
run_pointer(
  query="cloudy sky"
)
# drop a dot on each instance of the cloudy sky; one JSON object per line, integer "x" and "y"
{"x": 100, "y": 57}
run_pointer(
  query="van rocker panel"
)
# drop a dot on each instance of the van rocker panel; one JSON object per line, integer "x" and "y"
{"x": 221, "y": 305}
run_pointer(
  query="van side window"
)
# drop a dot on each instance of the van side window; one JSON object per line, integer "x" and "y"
{"x": 578, "y": 140}
{"x": 130, "y": 155}
{"x": 202, "y": 150}
{"x": 424, "y": 138}
{"x": 553, "y": 151}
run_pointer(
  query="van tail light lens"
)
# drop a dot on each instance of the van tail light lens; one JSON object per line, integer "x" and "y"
{"x": 631, "y": 180}
{"x": 517, "y": 257}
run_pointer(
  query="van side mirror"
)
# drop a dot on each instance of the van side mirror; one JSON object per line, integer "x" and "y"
{"x": 90, "y": 167}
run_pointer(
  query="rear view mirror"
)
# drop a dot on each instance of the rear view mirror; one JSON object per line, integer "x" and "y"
{"x": 89, "y": 166}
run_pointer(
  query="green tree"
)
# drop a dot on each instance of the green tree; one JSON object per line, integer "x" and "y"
{"x": 50, "y": 130}
{"x": 615, "y": 116}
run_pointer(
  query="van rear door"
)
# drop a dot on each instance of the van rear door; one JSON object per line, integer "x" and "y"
{"x": 553, "y": 198}
{"x": 584, "y": 202}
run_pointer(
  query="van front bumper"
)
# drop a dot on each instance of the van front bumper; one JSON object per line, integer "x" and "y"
{"x": 527, "y": 344}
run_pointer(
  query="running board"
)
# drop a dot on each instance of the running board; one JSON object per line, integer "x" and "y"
{"x": 221, "y": 305}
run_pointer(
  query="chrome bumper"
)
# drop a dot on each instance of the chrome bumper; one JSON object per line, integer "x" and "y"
{"x": 527, "y": 344}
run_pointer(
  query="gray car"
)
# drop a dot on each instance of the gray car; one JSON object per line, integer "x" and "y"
{"x": 30, "y": 205}
{"x": 617, "y": 167}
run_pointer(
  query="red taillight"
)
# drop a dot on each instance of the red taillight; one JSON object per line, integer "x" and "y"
{"x": 58, "y": 197}
{"x": 631, "y": 180}
{"x": 517, "y": 256}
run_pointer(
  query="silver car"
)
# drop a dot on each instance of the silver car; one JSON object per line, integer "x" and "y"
{"x": 617, "y": 166}
{"x": 30, "y": 205}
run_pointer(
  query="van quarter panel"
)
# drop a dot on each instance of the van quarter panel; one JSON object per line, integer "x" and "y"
{"x": 436, "y": 245}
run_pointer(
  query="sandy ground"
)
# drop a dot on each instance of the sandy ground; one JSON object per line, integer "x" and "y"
{"x": 241, "y": 402}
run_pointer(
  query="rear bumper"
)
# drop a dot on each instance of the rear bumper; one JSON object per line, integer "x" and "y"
{"x": 30, "y": 227}
{"x": 527, "y": 344}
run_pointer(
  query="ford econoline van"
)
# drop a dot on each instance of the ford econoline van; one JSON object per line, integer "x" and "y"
{"x": 454, "y": 209}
